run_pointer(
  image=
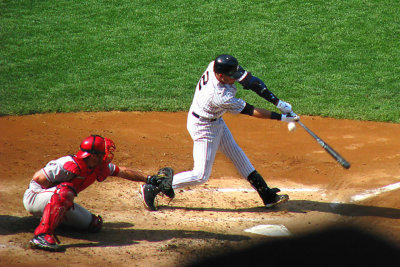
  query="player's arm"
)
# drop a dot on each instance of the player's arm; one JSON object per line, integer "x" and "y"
{"x": 40, "y": 178}
{"x": 248, "y": 81}
{"x": 267, "y": 114}
{"x": 130, "y": 174}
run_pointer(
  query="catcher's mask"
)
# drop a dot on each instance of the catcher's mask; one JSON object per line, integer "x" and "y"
{"x": 97, "y": 145}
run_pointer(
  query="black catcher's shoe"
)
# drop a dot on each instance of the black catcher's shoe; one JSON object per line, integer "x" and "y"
{"x": 149, "y": 193}
{"x": 45, "y": 242}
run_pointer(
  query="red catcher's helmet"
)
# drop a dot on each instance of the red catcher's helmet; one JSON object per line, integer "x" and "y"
{"x": 97, "y": 145}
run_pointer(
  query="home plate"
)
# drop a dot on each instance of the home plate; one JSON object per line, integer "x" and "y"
{"x": 269, "y": 230}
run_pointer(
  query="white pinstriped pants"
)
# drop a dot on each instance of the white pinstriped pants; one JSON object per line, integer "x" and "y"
{"x": 208, "y": 137}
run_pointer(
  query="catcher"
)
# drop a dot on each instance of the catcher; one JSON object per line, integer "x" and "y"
{"x": 52, "y": 190}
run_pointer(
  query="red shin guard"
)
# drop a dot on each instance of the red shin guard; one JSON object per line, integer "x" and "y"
{"x": 54, "y": 212}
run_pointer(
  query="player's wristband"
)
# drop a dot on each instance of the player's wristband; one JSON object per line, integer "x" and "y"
{"x": 276, "y": 116}
{"x": 248, "y": 109}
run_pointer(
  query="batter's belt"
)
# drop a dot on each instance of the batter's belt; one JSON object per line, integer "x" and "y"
{"x": 198, "y": 116}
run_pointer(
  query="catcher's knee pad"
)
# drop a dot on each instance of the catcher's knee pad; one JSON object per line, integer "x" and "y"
{"x": 61, "y": 201}
{"x": 67, "y": 193}
{"x": 96, "y": 224}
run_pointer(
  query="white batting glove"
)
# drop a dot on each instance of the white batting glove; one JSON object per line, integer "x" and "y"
{"x": 291, "y": 117}
{"x": 284, "y": 107}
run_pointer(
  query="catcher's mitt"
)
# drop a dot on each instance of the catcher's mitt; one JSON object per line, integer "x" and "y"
{"x": 163, "y": 180}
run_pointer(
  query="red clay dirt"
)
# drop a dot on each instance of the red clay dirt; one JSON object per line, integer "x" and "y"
{"x": 209, "y": 219}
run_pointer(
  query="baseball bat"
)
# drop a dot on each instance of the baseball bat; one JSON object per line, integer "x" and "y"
{"x": 345, "y": 164}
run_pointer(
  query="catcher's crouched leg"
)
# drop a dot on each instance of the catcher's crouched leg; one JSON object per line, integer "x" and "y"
{"x": 54, "y": 212}
{"x": 163, "y": 181}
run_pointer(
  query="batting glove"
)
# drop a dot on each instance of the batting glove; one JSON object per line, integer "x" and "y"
{"x": 284, "y": 107}
{"x": 291, "y": 117}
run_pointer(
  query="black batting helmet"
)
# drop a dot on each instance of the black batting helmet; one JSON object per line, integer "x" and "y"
{"x": 228, "y": 65}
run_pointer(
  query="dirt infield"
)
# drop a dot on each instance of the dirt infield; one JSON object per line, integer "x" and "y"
{"x": 210, "y": 219}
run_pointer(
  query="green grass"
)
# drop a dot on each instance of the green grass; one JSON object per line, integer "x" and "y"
{"x": 328, "y": 58}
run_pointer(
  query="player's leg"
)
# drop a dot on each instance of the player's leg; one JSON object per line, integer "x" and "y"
{"x": 53, "y": 205}
{"x": 35, "y": 200}
{"x": 268, "y": 195}
{"x": 229, "y": 147}
{"x": 81, "y": 219}
{"x": 232, "y": 151}
{"x": 60, "y": 202}
{"x": 78, "y": 217}
{"x": 203, "y": 156}
{"x": 206, "y": 138}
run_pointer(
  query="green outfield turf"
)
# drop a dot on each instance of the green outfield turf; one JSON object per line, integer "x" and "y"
{"x": 328, "y": 58}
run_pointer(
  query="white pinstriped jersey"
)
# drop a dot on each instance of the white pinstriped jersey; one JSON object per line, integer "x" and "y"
{"x": 209, "y": 132}
{"x": 212, "y": 99}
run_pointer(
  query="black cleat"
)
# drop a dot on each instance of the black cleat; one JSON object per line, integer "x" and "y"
{"x": 45, "y": 242}
{"x": 271, "y": 198}
{"x": 149, "y": 193}
{"x": 278, "y": 199}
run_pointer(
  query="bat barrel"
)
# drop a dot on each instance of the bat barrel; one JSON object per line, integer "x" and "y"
{"x": 345, "y": 164}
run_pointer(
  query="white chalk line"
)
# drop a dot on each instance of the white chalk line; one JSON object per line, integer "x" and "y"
{"x": 359, "y": 197}
{"x": 230, "y": 190}
{"x": 375, "y": 192}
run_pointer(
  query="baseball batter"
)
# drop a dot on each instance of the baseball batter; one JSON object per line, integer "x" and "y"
{"x": 52, "y": 190}
{"x": 214, "y": 96}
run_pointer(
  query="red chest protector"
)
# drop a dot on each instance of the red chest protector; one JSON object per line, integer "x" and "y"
{"x": 84, "y": 175}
